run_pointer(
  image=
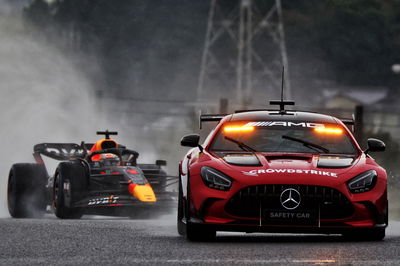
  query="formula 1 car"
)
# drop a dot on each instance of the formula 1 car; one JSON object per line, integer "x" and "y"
{"x": 281, "y": 171}
{"x": 101, "y": 178}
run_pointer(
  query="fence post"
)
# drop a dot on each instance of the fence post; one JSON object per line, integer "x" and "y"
{"x": 223, "y": 106}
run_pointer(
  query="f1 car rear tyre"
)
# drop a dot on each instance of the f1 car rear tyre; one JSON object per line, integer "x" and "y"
{"x": 375, "y": 234}
{"x": 70, "y": 186}
{"x": 26, "y": 190}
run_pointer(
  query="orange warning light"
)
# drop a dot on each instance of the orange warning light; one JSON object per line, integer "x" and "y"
{"x": 329, "y": 130}
{"x": 238, "y": 129}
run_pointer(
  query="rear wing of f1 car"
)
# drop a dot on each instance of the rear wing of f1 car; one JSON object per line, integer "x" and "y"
{"x": 62, "y": 151}
{"x": 58, "y": 151}
{"x": 350, "y": 122}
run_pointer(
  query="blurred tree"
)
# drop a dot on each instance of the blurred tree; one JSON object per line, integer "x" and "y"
{"x": 39, "y": 12}
{"x": 158, "y": 43}
{"x": 142, "y": 46}
{"x": 355, "y": 38}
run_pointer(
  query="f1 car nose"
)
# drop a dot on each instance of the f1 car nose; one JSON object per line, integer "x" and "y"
{"x": 143, "y": 193}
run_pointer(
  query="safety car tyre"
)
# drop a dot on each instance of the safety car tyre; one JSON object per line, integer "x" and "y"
{"x": 197, "y": 232}
{"x": 375, "y": 234}
{"x": 180, "y": 224}
{"x": 26, "y": 190}
{"x": 70, "y": 186}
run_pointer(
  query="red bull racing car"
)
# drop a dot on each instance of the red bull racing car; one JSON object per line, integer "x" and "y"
{"x": 281, "y": 171}
{"x": 101, "y": 178}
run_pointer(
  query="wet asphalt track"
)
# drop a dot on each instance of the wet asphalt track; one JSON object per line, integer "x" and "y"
{"x": 155, "y": 242}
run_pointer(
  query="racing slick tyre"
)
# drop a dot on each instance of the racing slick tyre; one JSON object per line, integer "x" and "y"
{"x": 26, "y": 190}
{"x": 70, "y": 186}
{"x": 180, "y": 224}
{"x": 375, "y": 234}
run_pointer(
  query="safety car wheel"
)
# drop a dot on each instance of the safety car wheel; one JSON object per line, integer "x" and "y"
{"x": 375, "y": 234}
{"x": 197, "y": 232}
{"x": 70, "y": 186}
{"x": 180, "y": 224}
{"x": 26, "y": 190}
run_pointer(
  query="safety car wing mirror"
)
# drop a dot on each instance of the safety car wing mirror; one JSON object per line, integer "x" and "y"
{"x": 375, "y": 145}
{"x": 191, "y": 140}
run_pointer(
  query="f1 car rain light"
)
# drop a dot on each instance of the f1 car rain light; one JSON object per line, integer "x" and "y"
{"x": 332, "y": 130}
{"x": 238, "y": 129}
{"x": 215, "y": 179}
{"x": 363, "y": 182}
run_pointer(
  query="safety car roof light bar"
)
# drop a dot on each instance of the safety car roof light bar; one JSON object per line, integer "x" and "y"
{"x": 218, "y": 117}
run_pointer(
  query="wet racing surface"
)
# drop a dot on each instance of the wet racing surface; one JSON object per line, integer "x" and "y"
{"x": 113, "y": 241}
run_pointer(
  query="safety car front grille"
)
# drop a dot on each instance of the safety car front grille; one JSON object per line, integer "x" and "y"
{"x": 328, "y": 202}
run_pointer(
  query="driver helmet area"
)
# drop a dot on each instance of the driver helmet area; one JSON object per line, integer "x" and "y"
{"x": 109, "y": 159}
{"x": 101, "y": 145}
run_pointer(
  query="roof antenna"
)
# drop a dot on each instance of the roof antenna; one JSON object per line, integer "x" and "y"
{"x": 282, "y": 102}
{"x": 283, "y": 83}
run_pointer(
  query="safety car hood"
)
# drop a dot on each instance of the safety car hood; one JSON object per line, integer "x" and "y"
{"x": 275, "y": 166}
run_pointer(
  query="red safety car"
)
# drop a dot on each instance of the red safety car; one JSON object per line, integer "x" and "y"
{"x": 281, "y": 171}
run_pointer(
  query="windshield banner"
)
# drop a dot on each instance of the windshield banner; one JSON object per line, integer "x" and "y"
{"x": 284, "y": 124}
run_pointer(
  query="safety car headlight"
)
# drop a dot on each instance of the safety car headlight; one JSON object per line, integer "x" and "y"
{"x": 363, "y": 182}
{"x": 215, "y": 179}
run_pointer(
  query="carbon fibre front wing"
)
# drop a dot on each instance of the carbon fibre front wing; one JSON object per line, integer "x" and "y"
{"x": 127, "y": 205}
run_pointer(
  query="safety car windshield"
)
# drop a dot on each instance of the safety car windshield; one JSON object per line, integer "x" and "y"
{"x": 283, "y": 136}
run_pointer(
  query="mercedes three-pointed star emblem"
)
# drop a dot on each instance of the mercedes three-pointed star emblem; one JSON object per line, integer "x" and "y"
{"x": 290, "y": 198}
